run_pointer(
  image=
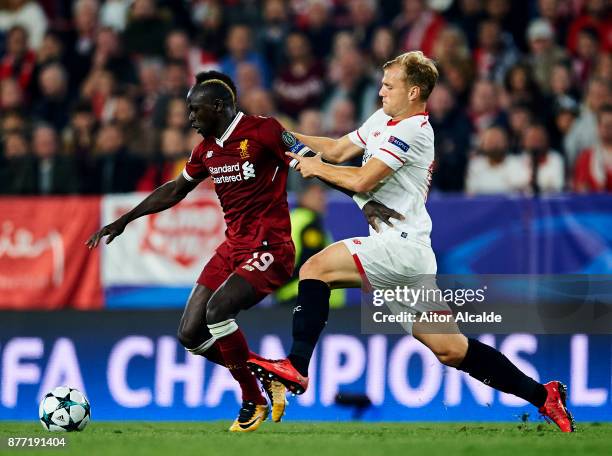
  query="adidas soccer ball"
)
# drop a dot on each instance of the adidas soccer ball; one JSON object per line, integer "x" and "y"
{"x": 63, "y": 410}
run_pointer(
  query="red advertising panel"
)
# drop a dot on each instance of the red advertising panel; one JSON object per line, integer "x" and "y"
{"x": 44, "y": 263}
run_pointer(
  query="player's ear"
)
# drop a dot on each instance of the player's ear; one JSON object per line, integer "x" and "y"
{"x": 414, "y": 93}
{"x": 218, "y": 105}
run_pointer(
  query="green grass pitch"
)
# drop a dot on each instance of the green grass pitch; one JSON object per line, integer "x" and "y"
{"x": 318, "y": 439}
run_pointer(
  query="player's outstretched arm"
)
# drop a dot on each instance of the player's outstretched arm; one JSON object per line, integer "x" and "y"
{"x": 160, "y": 199}
{"x": 332, "y": 150}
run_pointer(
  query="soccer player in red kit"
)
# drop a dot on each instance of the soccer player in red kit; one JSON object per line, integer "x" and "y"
{"x": 245, "y": 158}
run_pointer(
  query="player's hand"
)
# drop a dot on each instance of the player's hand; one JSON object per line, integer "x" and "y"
{"x": 111, "y": 230}
{"x": 373, "y": 210}
{"x": 307, "y": 166}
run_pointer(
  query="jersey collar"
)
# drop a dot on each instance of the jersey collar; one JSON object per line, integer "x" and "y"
{"x": 392, "y": 122}
{"x": 229, "y": 129}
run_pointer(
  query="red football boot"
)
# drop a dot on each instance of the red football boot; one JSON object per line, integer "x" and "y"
{"x": 554, "y": 409}
{"x": 281, "y": 370}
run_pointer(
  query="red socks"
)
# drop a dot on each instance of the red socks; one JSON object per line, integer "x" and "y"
{"x": 235, "y": 352}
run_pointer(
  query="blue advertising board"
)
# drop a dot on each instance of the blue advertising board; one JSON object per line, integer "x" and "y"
{"x": 131, "y": 367}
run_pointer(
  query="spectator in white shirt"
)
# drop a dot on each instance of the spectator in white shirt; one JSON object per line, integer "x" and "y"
{"x": 493, "y": 170}
{"x": 28, "y": 14}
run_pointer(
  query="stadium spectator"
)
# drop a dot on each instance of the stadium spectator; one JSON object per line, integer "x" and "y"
{"x": 98, "y": 88}
{"x": 149, "y": 86}
{"x": 239, "y": 47}
{"x": 562, "y": 85}
{"x": 177, "y": 116}
{"x": 248, "y": 78}
{"x": 174, "y": 84}
{"x": 417, "y": 26}
{"x": 547, "y": 170}
{"x": 467, "y": 15}
{"x": 484, "y": 110}
{"x": 146, "y": 30}
{"x": 114, "y": 169}
{"x": 596, "y": 15}
{"x": 584, "y": 129}
{"x": 566, "y": 111}
{"x": 12, "y": 121}
{"x": 342, "y": 119}
{"x": 138, "y": 138}
{"x": 520, "y": 117}
{"x": 53, "y": 105}
{"x": 27, "y": 14}
{"x": 352, "y": 83}
{"x": 51, "y": 49}
{"x": 593, "y": 169}
{"x": 521, "y": 87}
{"x": 14, "y": 163}
{"x": 85, "y": 13}
{"x": 382, "y": 50}
{"x": 208, "y": 18}
{"x": 511, "y": 18}
{"x": 450, "y": 46}
{"x": 317, "y": 23}
{"x": 586, "y": 54}
{"x": 11, "y": 95}
{"x": 603, "y": 68}
{"x": 544, "y": 53}
{"x": 452, "y": 139}
{"x": 459, "y": 74}
{"x": 493, "y": 170}
{"x": 556, "y": 13}
{"x": 78, "y": 137}
{"x": 362, "y": 21}
{"x": 114, "y": 14}
{"x": 49, "y": 172}
{"x": 310, "y": 122}
{"x": 173, "y": 156}
{"x": 19, "y": 61}
{"x": 179, "y": 48}
{"x": 495, "y": 52}
{"x": 260, "y": 102}
{"x": 109, "y": 55}
{"x": 271, "y": 34}
{"x": 300, "y": 83}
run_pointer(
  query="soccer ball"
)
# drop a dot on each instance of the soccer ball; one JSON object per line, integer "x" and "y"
{"x": 64, "y": 409}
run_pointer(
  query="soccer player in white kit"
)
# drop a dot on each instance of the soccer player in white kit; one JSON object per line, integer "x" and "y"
{"x": 397, "y": 143}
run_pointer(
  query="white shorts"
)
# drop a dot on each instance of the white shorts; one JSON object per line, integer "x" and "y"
{"x": 388, "y": 260}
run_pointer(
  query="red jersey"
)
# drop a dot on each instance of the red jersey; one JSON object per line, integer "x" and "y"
{"x": 249, "y": 168}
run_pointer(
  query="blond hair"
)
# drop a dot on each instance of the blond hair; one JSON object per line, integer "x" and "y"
{"x": 418, "y": 70}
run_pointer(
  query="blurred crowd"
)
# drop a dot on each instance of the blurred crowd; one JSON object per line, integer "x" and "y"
{"x": 92, "y": 93}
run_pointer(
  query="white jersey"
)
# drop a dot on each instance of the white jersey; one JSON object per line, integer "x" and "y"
{"x": 407, "y": 147}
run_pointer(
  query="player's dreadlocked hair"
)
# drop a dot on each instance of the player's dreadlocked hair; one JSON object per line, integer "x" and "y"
{"x": 418, "y": 70}
{"x": 218, "y": 85}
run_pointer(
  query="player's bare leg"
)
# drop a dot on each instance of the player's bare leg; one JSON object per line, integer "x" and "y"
{"x": 193, "y": 333}
{"x": 491, "y": 367}
{"x": 333, "y": 267}
{"x": 227, "y": 301}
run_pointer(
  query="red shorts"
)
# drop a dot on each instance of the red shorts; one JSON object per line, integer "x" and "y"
{"x": 266, "y": 269}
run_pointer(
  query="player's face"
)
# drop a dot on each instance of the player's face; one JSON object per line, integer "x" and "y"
{"x": 395, "y": 92}
{"x": 202, "y": 115}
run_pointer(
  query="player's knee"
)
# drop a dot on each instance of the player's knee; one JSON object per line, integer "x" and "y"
{"x": 313, "y": 269}
{"x": 188, "y": 335}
